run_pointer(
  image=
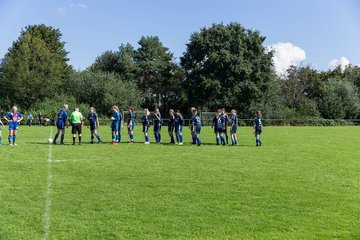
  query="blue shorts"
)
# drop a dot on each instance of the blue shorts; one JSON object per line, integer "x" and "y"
{"x": 60, "y": 125}
{"x": 178, "y": 128}
{"x": 196, "y": 129}
{"x": 146, "y": 128}
{"x": 13, "y": 126}
{"x": 114, "y": 127}
{"x": 93, "y": 126}
{"x": 258, "y": 130}
{"x": 233, "y": 129}
{"x": 218, "y": 129}
{"x": 157, "y": 128}
{"x": 171, "y": 128}
{"x": 131, "y": 127}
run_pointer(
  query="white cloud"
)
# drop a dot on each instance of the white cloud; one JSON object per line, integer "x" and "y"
{"x": 342, "y": 62}
{"x": 62, "y": 11}
{"x": 286, "y": 55}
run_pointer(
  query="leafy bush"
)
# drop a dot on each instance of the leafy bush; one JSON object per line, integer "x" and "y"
{"x": 340, "y": 101}
{"x": 103, "y": 90}
{"x": 50, "y": 107}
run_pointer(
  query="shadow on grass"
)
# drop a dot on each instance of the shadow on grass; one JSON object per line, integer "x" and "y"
{"x": 139, "y": 143}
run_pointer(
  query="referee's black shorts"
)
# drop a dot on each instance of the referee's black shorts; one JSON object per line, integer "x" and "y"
{"x": 76, "y": 128}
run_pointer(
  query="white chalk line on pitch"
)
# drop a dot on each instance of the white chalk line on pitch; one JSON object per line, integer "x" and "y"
{"x": 47, "y": 207}
{"x": 52, "y": 161}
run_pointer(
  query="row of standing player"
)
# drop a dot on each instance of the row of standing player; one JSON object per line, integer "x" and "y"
{"x": 176, "y": 122}
{"x": 76, "y": 119}
{"x": 220, "y": 123}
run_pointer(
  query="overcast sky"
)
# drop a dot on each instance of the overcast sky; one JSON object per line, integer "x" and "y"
{"x": 319, "y": 33}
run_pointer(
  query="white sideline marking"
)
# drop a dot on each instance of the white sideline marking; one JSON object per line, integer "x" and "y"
{"x": 48, "y": 195}
{"x": 60, "y": 160}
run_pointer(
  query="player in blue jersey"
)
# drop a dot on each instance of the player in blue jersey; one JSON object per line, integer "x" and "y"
{"x": 115, "y": 120}
{"x": 218, "y": 125}
{"x": 226, "y": 121}
{"x": 179, "y": 122}
{"x": 157, "y": 125}
{"x": 195, "y": 126}
{"x": 146, "y": 125}
{"x": 121, "y": 124}
{"x": 131, "y": 124}
{"x": 61, "y": 122}
{"x": 171, "y": 125}
{"x": 258, "y": 127}
{"x": 1, "y": 126}
{"x": 29, "y": 119}
{"x": 234, "y": 125}
{"x": 93, "y": 119}
{"x": 13, "y": 118}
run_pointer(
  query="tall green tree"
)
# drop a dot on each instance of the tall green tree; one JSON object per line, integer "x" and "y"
{"x": 341, "y": 100}
{"x": 158, "y": 76}
{"x": 226, "y": 65}
{"x": 352, "y": 73}
{"x": 34, "y": 67}
{"x": 302, "y": 89}
{"x": 272, "y": 103}
{"x": 106, "y": 62}
{"x": 126, "y": 66}
{"x": 120, "y": 62}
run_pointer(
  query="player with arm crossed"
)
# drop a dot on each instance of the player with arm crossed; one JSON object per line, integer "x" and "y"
{"x": 146, "y": 125}
{"x": 121, "y": 125}
{"x": 13, "y": 118}
{"x": 61, "y": 122}
{"x": 171, "y": 126}
{"x": 115, "y": 119}
{"x": 157, "y": 125}
{"x": 131, "y": 124}
{"x": 234, "y": 125}
{"x": 179, "y": 122}
{"x": 226, "y": 121}
{"x": 258, "y": 127}
{"x": 195, "y": 126}
{"x": 94, "y": 124}
{"x": 218, "y": 125}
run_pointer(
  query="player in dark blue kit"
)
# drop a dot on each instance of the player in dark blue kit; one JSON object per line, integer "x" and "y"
{"x": 115, "y": 120}
{"x": 218, "y": 125}
{"x": 131, "y": 124}
{"x": 13, "y": 118}
{"x": 157, "y": 125}
{"x": 195, "y": 126}
{"x": 61, "y": 122}
{"x": 121, "y": 124}
{"x": 234, "y": 125}
{"x": 258, "y": 127}
{"x": 226, "y": 121}
{"x": 179, "y": 122}
{"x": 93, "y": 119}
{"x": 171, "y": 126}
{"x": 146, "y": 125}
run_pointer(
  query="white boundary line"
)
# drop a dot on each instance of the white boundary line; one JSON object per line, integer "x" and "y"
{"x": 47, "y": 207}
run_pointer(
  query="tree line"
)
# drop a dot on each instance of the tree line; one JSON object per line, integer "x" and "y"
{"x": 223, "y": 66}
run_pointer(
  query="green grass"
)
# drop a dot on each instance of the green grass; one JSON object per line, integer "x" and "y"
{"x": 303, "y": 183}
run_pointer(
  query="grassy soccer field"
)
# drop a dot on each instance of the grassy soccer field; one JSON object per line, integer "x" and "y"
{"x": 303, "y": 183}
